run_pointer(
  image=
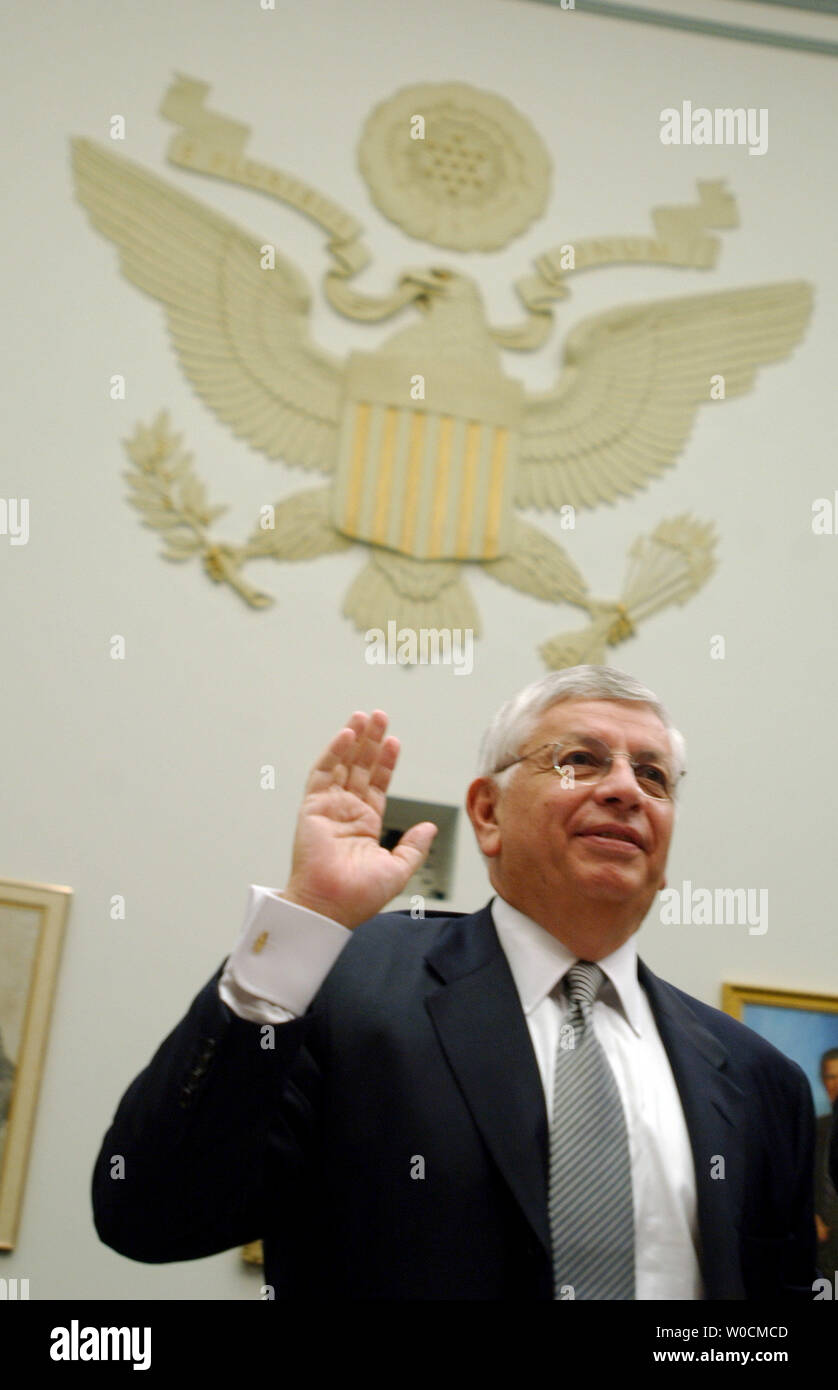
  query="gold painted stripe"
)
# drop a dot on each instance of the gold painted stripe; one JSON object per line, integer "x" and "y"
{"x": 441, "y": 483}
{"x": 356, "y": 475}
{"x": 385, "y": 476}
{"x": 414, "y": 478}
{"x": 494, "y": 509}
{"x": 469, "y": 487}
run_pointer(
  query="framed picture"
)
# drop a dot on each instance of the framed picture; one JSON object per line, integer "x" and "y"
{"x": 805, "y": 1028}
{"x": 32, "y": 919}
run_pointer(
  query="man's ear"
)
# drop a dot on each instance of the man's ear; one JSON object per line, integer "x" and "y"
{"x": 482, "y": 800}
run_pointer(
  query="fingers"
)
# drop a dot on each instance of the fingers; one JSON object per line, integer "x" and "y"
{"x": 359, "y": 757}
{"x": 367, "y": 753}
{"x": 331, "y": 765}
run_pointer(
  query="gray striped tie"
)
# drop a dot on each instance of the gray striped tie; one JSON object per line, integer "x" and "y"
{"x": 590, "y": 1198}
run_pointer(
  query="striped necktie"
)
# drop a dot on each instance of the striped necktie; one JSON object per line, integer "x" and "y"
{"x": 590, "y": 1196}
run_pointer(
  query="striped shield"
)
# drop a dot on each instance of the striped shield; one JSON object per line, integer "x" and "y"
{"x": 431, "y": 477}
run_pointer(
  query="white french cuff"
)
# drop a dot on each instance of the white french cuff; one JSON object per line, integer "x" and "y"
{"x": 283, "y": 954}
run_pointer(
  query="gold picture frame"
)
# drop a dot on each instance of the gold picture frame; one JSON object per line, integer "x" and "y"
{"x": 736, "y": 997}
{"x": 32, "y": 921}
{"x": 801, "y": 1025}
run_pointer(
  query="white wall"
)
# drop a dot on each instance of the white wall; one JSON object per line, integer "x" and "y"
{"x": 141, "y": 777}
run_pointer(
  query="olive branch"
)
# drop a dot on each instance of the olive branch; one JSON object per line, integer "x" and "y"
{"x": 665, "y": 567}
{"x": 173, "y": 500}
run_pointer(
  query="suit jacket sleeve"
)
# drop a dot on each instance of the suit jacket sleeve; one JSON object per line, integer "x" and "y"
{"x": 778, "y": 1232}
{"x": 182, "y": 1170}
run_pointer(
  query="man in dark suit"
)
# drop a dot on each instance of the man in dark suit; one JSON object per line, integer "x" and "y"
{"x": 502, "y": 1105}
{"x": 826, "y": 1197}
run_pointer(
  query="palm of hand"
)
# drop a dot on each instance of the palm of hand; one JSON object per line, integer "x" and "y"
{"x": 339, "y": 868}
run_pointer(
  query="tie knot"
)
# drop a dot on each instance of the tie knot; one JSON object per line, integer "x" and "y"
{"x": 582, "y": 982}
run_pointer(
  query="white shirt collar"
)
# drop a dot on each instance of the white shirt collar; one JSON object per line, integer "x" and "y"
{"x": 538, "y": 961}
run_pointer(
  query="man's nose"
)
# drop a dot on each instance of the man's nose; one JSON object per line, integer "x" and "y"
{"x": 619, "y": 780}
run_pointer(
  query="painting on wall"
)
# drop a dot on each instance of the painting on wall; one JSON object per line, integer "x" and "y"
{"x": 805, "y": 1028}
{"x": 32, "y": 920}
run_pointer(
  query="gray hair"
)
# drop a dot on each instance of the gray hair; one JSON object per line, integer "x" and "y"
{"x": 515, "y": 720}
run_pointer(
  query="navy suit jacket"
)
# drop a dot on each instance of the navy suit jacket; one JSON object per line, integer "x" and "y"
{"x": 392, "y": 1142}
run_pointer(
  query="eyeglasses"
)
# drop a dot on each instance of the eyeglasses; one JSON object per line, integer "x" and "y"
{"x": 588, "y": 760}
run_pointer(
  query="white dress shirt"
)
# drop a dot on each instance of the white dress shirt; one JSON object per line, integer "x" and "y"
{"x": 284, "y": 953}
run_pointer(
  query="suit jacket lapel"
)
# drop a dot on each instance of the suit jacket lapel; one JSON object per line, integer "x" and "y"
{"x": 713, "y": 1107}
{"x": 482, "y": 1030}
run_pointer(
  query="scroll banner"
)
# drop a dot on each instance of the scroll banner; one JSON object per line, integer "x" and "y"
{"x": 211, "y": 143}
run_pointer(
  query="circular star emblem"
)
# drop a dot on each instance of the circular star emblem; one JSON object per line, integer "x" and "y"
{"x": 454, "y": 166}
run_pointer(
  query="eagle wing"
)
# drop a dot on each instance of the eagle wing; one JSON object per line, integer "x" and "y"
{"x": 632, "y": 379}
{"x": 241, "y": 332}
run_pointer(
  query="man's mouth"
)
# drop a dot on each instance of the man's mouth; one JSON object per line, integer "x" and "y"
{"x": 620, "y": 837}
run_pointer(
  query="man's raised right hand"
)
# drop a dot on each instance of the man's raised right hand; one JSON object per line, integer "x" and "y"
{"x": 338, "y": 867}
